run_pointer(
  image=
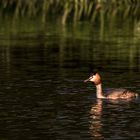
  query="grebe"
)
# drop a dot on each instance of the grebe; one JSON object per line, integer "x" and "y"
{"x": 113, "y": 94}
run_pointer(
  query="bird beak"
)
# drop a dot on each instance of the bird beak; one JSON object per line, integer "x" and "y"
{"x": 86, "y": 80}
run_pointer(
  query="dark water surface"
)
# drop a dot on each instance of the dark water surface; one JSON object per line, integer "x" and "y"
{"x": 42, "y": 94}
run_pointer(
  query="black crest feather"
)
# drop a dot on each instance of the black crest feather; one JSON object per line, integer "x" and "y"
{"x": 93, "y": 69}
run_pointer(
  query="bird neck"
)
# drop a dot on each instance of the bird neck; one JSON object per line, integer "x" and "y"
{"x": 99, "y": 92}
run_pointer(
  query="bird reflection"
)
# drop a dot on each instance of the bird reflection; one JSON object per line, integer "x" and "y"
{"x": 96, "y": 123}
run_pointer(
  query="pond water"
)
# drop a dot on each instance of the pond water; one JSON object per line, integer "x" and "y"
{"x": 42, "y": 68}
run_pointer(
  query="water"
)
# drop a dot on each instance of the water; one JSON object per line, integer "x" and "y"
{"x": 42, "y": 94}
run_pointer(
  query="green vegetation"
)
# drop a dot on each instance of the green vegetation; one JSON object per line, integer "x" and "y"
{"x": 37, "y": 23}
{"x": 70, "y": 10}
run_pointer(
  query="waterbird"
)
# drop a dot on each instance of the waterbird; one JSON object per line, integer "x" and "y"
{"x": 111, "y": 94}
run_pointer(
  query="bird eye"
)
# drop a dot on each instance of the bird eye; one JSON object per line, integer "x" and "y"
{"x": 91, "y": 76}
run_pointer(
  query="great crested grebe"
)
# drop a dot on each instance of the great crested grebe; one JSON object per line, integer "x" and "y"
{"x": 112, "y": 94}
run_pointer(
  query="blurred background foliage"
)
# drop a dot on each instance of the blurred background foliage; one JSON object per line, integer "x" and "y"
{"x": 112, "y": 24}
{"x": 45, "y": 17}
{"x": 71, "y": 10}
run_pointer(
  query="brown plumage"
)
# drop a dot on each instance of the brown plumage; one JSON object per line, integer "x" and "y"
{"x": 112, "y": 94}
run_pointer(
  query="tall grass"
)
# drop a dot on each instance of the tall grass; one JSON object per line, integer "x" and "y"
{"x": 71, "y": 10}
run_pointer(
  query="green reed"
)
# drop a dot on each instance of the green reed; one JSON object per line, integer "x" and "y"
{"x": 71, "y": 10}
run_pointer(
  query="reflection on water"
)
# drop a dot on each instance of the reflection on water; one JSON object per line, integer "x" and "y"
{"x": 116, "y": 117}
{"x": 42, "y": 94}
{"x": 96, "y": 120}
{"x": 117, "y": 44}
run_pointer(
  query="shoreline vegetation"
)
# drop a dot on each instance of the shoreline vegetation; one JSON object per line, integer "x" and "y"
{"x": 71, "y": 10}
{"x": 36, "y": 23}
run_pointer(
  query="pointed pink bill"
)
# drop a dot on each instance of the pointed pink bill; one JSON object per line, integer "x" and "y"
{"x": 86, "y": 80}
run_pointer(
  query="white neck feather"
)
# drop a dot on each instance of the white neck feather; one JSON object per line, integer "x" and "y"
{"x": 99, "y": 92}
